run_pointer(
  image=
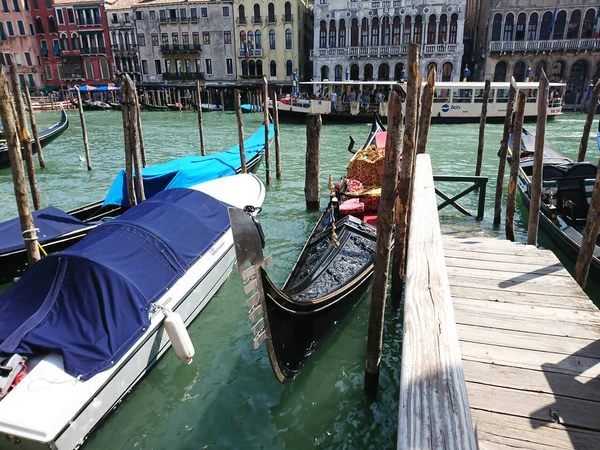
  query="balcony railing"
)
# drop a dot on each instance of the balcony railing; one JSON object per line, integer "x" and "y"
{"x": 91, "y": 23}
{"x": 180, "y": 48}
{"x": 183, "y": 76}
{"x": 384, "y": 51}
{"x": 73, "y": 75}
{"x": 548, "y": 46}
{"x": 288, "y": 18}
{"x": 163, "y": 20}
{"x": 241, "y": 20}
{"x": 93, "y": 50}
{"x": 123, "y": 48}
{"x": 257, "y": 20}
{"x": 252, "y": 53}
{"x": 271, "y": 20}
{"x": 194, "y": 19}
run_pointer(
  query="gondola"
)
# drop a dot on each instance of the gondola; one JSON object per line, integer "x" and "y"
{"x": 46, "y": 136}
{"x": 148, "y": 107}
{"x": 566, "y": 193}
{"x": 59, "y": 230}
{"x": 330, "y": 277}
{"x": 114, "y": 106}
{"x": 87, "y": 106}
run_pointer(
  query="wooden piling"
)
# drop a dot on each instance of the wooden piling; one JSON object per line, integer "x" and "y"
{"x": 588, "y": 122}
{"x": 277, "y": 143}
{"x": 25, "y": 139}
{"x": 141, "y": 133}
{"x": 134, "y": 111}
{"x": 34, "y": 129}
{"x": 179, "y": 99}
{"x": 7, "y": 115}
{"x": 127, "y": 125}
{"x": 200, "y": 126}
{"x": 313, "y": 155}
{"x": 419, "y": 93}
{"x": 267, "y": 126}
{"x": 427, "y": 105}
{"x": 484, "y": 108}
{"x": 512, "y": 92}
{"x": 381, "y": 259}
{"x": 511, "y": 202}
{"x": 222, "y": 100}
{"x": 240, "y": 126}
{"x": 538, "y": 160}
{"x": 209, "y": 96}
{"x": 86, "y": 145}
{"x": 406, "y": 173}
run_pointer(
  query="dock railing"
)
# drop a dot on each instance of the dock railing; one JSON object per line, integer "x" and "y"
{"x": 434, "y": 406}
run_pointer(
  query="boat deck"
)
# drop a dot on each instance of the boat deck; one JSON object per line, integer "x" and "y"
{"x": 530, "y": 345}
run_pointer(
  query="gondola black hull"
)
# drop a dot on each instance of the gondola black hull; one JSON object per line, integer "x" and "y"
{"x": 147, "y": 107}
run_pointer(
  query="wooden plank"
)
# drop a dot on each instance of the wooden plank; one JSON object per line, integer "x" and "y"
{"x": 434, "y": 408}
{"x": 516, "y": 266}
{"x": 498, "y": 246}
{"x": 570, "y": 412}
{"x": 533, "y": 380}
{"x": 501, "y": 257}
{"x": 529, "y": 341}
{"x": 528, "y": 287}
{"x": 513, "y": 277}
{"x": 529, "y": 359}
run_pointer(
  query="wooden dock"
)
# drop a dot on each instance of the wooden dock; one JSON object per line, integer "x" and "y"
{"x": 530, "y": 346}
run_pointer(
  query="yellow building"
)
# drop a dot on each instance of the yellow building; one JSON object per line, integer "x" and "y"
{"x": 273, "y": 38}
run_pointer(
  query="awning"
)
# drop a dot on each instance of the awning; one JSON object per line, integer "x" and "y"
{"x": 107, "y": 88}
{"x": 84, "y": 88}
{"x": 49, "y": 89}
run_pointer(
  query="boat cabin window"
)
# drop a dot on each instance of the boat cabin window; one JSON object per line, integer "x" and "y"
{"x": 462, "y": 95}
{"x": 441, "y": 96}
{"x": 532, "y": 96}
{"x": 479, "y": 95}
{"x": 502, "y": 96}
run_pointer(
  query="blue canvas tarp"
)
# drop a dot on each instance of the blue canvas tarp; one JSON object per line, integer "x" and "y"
{"x": 91, "y": 302}
{"x": 51, "y": 222}
{"x": 189, "y": 171}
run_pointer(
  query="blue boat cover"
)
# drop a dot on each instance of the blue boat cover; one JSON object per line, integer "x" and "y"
{"x": 189, "y": 171}
{"x": 91, "y": 303}
{"x": 51, "y": 222}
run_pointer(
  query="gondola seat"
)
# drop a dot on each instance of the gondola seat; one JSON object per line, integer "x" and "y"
{"x": 572, "y": 200}
{"x": 352, "y": 206}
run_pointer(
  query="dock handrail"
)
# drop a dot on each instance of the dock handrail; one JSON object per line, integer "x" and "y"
{"x": 434, "y": 406}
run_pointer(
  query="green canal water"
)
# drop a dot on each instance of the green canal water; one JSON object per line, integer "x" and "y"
{"x": 228, "y": 397}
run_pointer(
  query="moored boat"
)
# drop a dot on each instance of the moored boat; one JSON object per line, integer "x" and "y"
{"x": 93, "y": 322}
{"x": 148, "y": 107}
{"x": 92, "y": 106}
{"x": 331, "y": 275}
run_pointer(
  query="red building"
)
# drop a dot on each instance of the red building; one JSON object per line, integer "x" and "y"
{"x": 73, "y": 36}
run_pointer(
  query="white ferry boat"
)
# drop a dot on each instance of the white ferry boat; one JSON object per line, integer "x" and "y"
{"x": 454, "y": 102}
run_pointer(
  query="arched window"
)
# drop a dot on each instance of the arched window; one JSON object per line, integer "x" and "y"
{"x": 532, "y": 29}
{"x": 250, "y": 38}
{"x": 447, "y": 71}
{"x": 257, "y": 39}
{"x": 368, "y": 72}
{"x": 453, "y": 28}
{"x": 288, "y": 39}
{"x": 399, "y": 71}
{"x": 256, "y": 13}
{"x": 407, "y": 30}
{"x": 385, "y": 31}
{"x": 431, "y": 26}
{"x": 500, "y": 71}
{"x": 74, "y": 41}
{"x": 64, "y": 42}
{"x": 273, "y": 69}
{"x": 244, "y": 68}
{"x": 342, "y": 34}
{"x": 573, "y": 30}
{"x": 89, "y": 70}
{"x": 443, "y": 31}
{"x": 354, "y": 33}
{"x": 542, "y": 65}
{"x": 271, "y": 39}
{"x": 242, "y": 38}
{"x": 354, "y": 72}
{"x": 418, "y": 33}
{"x": 383, "y": 73}
{"x": 364, "y": 33}
{"x": 121, "y": 42}
{"x": 287, "y": 12}
{"x": 396, "y": 31}
{"x": 577, "y": 82}
{"x": 519, "y": 71}
{"x": 39, "y": 25}
{"x": 545, "y": 26}
{"x": 559, "y": 26}
{"x": 324, "y": 73}
{"x": 558, "y": 72}
{"x": 509, "y": 24}
{"x": 104, "y": 69}
{"x": 332, "y": 34}
{"x": 587, "y": 29}
{"x": 52, "y": 25}
{"x": 259, "y": 68}
{"x": 338, "y": 73}
{"x": 271, "y": 13}
{"x": 375, "y": 32}
{"x": 289, "y": 68}
{"x": 118, "y": 64}
{"x": 242, "y": 18}
{"x": 252, "y": 67}
{"x": 497, "y": 27}
{"x": 323, "y": 34}
{"x": 521, "y": 22}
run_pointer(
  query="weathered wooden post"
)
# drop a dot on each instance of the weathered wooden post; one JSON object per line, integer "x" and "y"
{"x": 511, "y": 202}
{"x": 222, "y": 100}
{"x": 484, "y": 108}
{"x": 381, "y": 260}
{"x": 538, "y": 160}
{"x": 141, "y": 135}
{"x": 34, "y": 129}
{"x": 86, "y": 145}
{"x": 406, "y": 175}
{"x": 313, "y": 155}
{"x": 419, "y": 93}
{"x": 25, "y": 139}
{"x": 127, "y": 125}
{"x": 179, "y": 99}
{"x": 277, "y": 143}
{"x": 266, "y": 115}
{"x": 512, "y": 92}
{"x": 200, "y": 126}
{"x": 240, "y": 125}
{"x": 427, "y": 105}
{"x": 7, "y": 115}
{"x": 134, "y": 111}
{"x": 209, "y": 109}
{"x": 588, "y": 122}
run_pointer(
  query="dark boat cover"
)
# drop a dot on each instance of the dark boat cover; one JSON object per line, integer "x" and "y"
{"x": 189, "y": 171}
{"x": 91, "y": 303}
{"x": 51, "y": 223}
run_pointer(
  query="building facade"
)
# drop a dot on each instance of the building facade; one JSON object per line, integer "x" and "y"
{"x": 18, "y": 42}
{"x": 368, "y": 40}
{"x": 514, "y": 38}
{"x": 273, "y": 38}
{"x": 123, "y": 41}
{"x": 183, "y": 41}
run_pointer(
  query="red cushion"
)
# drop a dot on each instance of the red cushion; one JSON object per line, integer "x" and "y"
{"x": 352, "y": 206}
{"x": 371, "y": 219}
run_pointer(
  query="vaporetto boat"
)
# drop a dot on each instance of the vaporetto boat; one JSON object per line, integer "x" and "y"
{"x": 454, "y": 102}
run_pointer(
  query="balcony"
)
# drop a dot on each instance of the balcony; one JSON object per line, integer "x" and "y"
{"x": 241, "y": 21}
{"x": 93, "y": 50}
{"x": 384, "y": 51}
{"x": 73, "y": 75}
{"x": 91, "y": 23}
{"x": 194, "y": 19}
{"x": 257, "y": 20}
{"x": 163, "y": 20}
{"x": 288, "y": 18}
{"x": 183, "y": 76}
{"x": 271, "y": 20}
{"x": 181, "y": 48}
{"x": 252, "y": 53}
{"x": 126, "y": 49}
{"x": 544, "y": 46}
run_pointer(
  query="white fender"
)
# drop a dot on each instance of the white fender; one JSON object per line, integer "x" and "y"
{"x": 180, "y": 338}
